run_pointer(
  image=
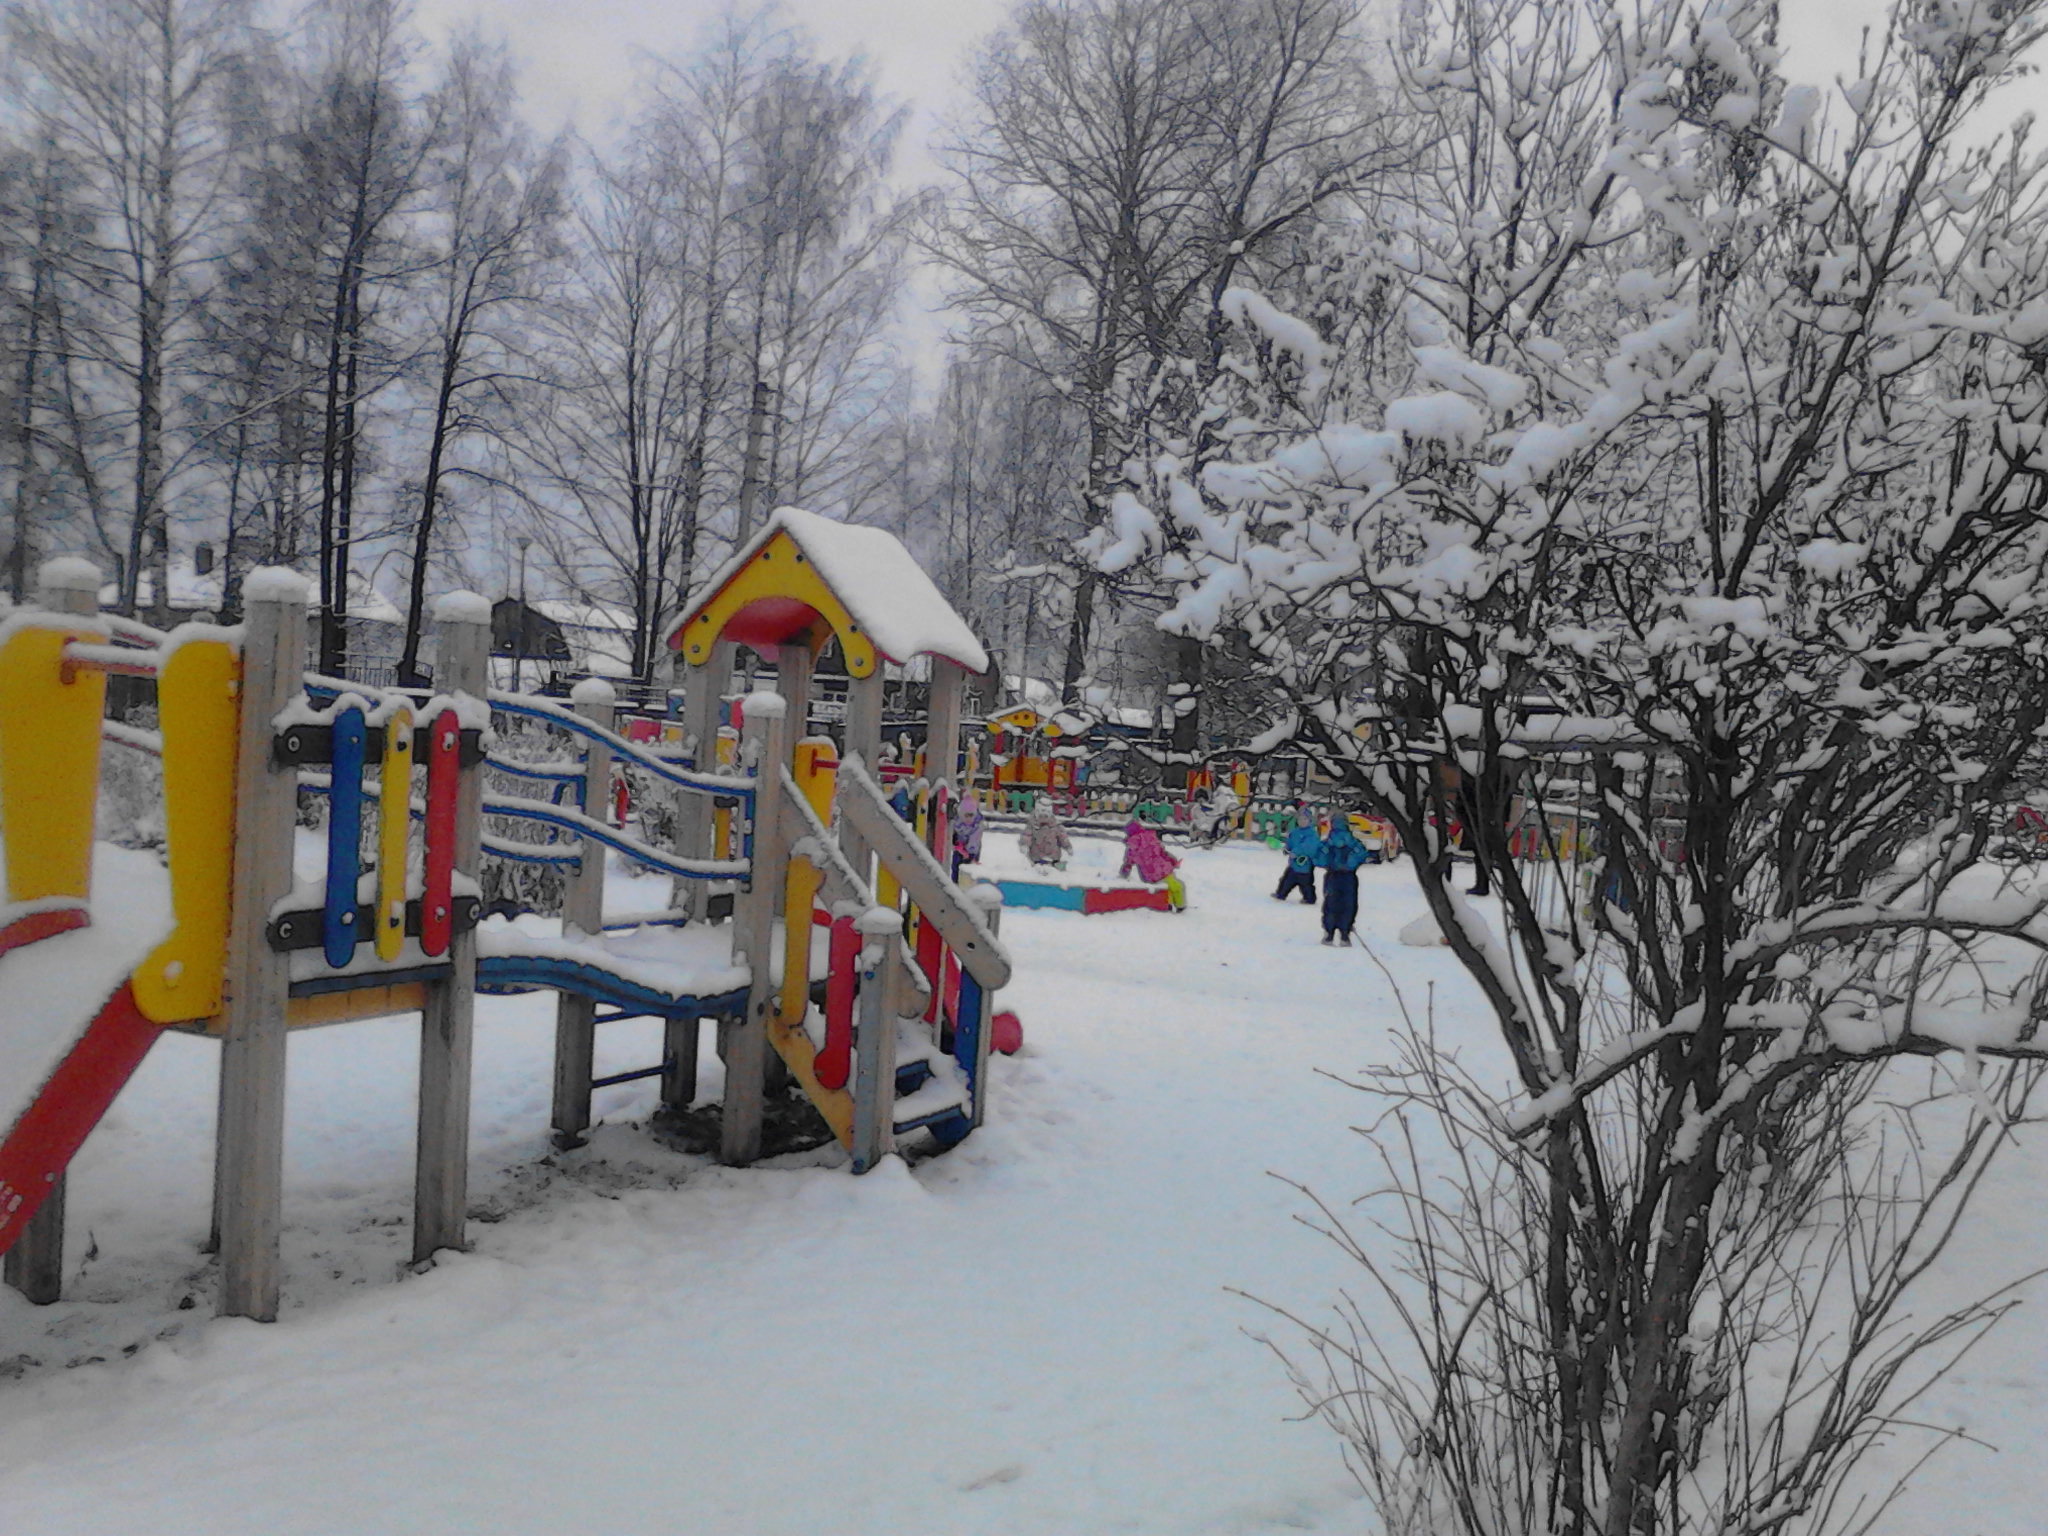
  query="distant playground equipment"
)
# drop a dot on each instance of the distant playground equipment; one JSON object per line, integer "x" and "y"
{"x": 884, "y": 1018}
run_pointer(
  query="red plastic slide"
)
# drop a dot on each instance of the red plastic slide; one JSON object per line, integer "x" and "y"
{"x": 56, "y": 1122}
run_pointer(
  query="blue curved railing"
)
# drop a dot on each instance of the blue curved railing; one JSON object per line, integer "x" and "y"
{"x": 524, "y": 706}
{"x": 597, "y": 831}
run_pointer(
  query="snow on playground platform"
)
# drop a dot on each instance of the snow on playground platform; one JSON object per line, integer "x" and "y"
{"x": 1033, "y": 1335}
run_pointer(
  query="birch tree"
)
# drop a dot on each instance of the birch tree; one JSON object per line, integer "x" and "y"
{"x": 143, "y": 99}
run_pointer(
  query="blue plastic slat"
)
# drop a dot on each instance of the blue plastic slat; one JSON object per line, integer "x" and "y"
{"x": 1028, "y": 893}
{"x": 344, "y": 837}
{"x": 967, "y": 1029}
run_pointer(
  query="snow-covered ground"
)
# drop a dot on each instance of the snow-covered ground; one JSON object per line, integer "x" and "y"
{"x": 1038, "y": 1334}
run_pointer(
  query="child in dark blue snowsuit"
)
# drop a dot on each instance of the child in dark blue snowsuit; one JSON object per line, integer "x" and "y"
{"x": 1302, "y": 843}
{"x": 1340, "y": 854}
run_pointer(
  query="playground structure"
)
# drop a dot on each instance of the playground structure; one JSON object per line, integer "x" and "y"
{"x": 884, "y": 1019}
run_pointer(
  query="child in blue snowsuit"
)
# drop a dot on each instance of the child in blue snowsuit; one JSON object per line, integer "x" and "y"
{"x": 1300, "y": 875}
{"x": 1340, "y": 854}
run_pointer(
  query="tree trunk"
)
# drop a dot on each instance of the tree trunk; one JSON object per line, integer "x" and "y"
{"x": 423, "y": 532}
{"x": 1186, "y": 741}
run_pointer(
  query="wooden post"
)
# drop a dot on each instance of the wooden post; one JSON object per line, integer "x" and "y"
{"x": 441, "y": 1164}
{"x": 249, "y": 1138}
{"x": 766, "y": 743}
{"x": 704, "y": 689}
{"x": 989, "y": 898}
{"x": 34, "y": 1266}
{"x": 942, "y": 724}
{"x": 794, "y": 666}
{"x": 679, "y": 1044}
{"x": 863, "y": 739}
{"x": 874, "y": 1039}
{"x": 583, "y": 917}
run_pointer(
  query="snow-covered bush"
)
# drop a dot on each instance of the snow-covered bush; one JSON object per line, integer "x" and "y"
{"x": 131, "y": 798}
{"x": 1705, "y": 472}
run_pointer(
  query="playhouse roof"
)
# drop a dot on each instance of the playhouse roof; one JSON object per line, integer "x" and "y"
{"x": 876, "y": 581}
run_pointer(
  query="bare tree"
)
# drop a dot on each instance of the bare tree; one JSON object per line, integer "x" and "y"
{"x": 358, "y": 157}
{"x": 1126, "y": 161}
{"x": 495, "y": 206}
{"x": 140, "y": 97}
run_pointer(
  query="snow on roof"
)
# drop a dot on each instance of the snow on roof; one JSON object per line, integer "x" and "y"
{"x": 192, "y": 592}
{"x": 579, "y": 615}
{"x": 880, "y": 582}
{"x": 1035, "y": 691}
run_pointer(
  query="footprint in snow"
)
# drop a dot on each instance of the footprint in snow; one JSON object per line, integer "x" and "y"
{"x": 1008, "y": 1473}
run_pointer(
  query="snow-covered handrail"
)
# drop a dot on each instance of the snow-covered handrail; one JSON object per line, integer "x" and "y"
{"x": 315, "y": 781}
{"x": 958, "y": 921}
{"x": 602, "y": 832}
{"x": 563, "y": 772}
{"x": 133, "y": 737}
{"x": 134, "y": 631}
{"x": 564, "y": 719}
{"x": 839, "y": 885}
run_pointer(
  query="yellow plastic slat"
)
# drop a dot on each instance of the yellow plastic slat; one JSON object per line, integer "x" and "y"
{"x": 49, "y": 763}
{"x": 199, "y": 711}
{"x": 394, "y": 826}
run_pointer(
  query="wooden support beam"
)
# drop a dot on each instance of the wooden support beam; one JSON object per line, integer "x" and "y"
{"x": 794, "y": 668}
{"x": 447, "y": 1023}
{"x": 766, "y": 746}
{"x": 583, "y": 917}
{"x": 249, "y": 1140}
{"x": 989, "y": 899}
{"x": 942, "y": 724}
{"x": 34, "y": 1266}
{"x": 863, "y": 740}
{"x": 874, "y": 1041}
{"x": 679, "y": 1042}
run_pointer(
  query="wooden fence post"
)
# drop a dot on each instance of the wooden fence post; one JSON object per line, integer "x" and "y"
{"x": 441, "y": 1166}
{"x": 766, "y": 742}
{"x": 249, "y": 1139}
{"x": 583, "y": 917}
{"x": 34, "y": 1266}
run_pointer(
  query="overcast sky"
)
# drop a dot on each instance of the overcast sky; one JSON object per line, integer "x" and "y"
{"x": 577, "y": 61}
{"x": 577, "y": 55}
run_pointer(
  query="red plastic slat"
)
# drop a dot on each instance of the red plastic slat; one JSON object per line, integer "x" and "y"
{"x": 444, "y": 776}
{"x": 842, "y": 979}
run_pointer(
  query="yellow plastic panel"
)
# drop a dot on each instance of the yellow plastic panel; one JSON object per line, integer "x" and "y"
{"x": 777, "y": 573}
{"x": 394, "y": 823}
{"x": 834, "y": 1105}
{"x": 799, "y": 896}
{"x": 816, "y": 771}
{"x": 199, "y": 709}
{"x": 49, "y": 763}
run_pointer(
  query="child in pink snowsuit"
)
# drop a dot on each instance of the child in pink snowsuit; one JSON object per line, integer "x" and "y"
{"x": 1144, "y": 853}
